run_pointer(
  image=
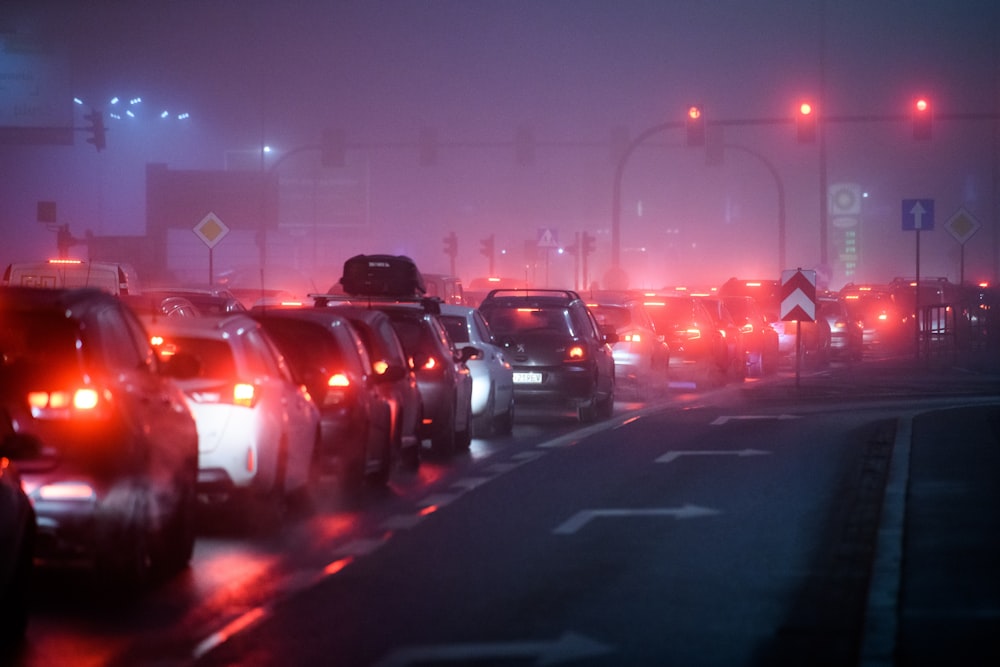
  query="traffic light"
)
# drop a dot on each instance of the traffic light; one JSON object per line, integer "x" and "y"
{"x": 428, "y": 146}
{"x": 333, "y": 152}
{"x": 488, "y": 249}
{"x": 922, "y": 117}
{"x": 451, "y": 245}
{"x": 695, "y": 124}
{"x": 524, "y": 146}
{"x": 805, "y": 123}
{"x": 588, "y": 243}
{"x": 97, "y": 129}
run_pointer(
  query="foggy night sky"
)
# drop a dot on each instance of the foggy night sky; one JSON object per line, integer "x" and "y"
{"x": 572, "y": 71}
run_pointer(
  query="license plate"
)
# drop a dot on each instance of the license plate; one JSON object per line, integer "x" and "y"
{"x": 528, "y": 378}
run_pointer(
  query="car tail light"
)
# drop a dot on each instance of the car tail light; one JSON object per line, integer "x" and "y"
{"x": 632, "y": 337}
{"x": 69, "y": 490}
{"x": 85, "y": 402}
{"x": 747, "y": 329}
{"x": 576, "y": 353}
{"x": 338, "y": 388}
{"x": 692, "y": 333}
{"x": 380, "y": 366}
{"x": 244, "y": 394}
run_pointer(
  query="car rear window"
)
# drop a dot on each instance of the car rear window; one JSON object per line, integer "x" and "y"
{"x": 37, "y": 339}
{"x": 215, "y": 357}
{"x": 507, "y": 321}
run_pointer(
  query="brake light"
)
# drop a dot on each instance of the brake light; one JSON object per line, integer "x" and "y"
{"x": 63, "y": 260}
{"x": 430, "y": 364}
{"x": 632, "y": 338}
{"x": 244, "y": 394}
{"x": 66, "y": 404}
{"x": 338, "y": 380}
{"x": 380, "y": 367}
{"x": 576, "y": 353}
{"x": 693, "y": 333}
{"x": 66, "y": 491}
{"x": 747, "y": 328}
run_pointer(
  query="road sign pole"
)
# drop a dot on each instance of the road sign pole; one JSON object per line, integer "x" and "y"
{"x": 211, "y": 267}
{"x": 916, "y": 298}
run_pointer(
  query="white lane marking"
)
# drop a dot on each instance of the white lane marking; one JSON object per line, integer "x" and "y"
{"x": 676, "y": 454}
{"x": 580, "y": 519}
{"x": 567, "y": 648}
{"x": 719, "y": 421}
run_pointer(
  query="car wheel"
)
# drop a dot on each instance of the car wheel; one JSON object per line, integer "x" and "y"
{"x": 443, "y": 439}
{"x": 503, "y": 423}
{"x": 463, "y": 438}
{"x": 483, "y": 425}
{"x": 125, "y": 564}
{"x": 17, "y": 597}
{"x": 755, "y": 364}
{"x": 178, "y": 539}
{"x": 381, "y": 476}
{"x": 605, "y": 408}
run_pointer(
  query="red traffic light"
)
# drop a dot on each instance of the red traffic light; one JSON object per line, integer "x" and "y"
{"x": 922, "y": 117}
{"x": 805, "y": 123}
{"x": 695, "y": 126}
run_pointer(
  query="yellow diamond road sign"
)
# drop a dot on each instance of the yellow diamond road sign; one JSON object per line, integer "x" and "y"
{"x": 962, "y": 225}
{"x": 211, "y": 230}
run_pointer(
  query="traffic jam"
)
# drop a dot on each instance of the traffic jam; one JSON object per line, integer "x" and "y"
{"x": 129, "y": 414}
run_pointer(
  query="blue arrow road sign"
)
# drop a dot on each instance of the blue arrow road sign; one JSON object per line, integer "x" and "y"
{"x": 918, "y": 214}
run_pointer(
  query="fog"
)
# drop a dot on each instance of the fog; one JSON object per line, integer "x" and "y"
{"x": 576, "y": 75}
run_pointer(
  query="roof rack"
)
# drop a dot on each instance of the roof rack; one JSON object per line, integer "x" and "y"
{"x": 430, "y": 304}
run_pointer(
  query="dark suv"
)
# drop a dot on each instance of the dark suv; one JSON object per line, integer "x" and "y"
{"x": 113, "y": 474}
{"x": 559, "y": 353}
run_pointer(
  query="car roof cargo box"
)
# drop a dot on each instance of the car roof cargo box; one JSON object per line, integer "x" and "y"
{"x": 382, "y": 276}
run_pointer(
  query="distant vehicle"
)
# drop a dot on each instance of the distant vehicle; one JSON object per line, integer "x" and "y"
{"x": 732, "y": 334}
{"x": 760, "y": 340}
{"x": 113, "y": 480}
{"x": 560, "y": 355}
{"x": 492, "y": 374}
{"x": 394, "y": 285}
{"x": 209, "y": 300}
{"x": 846, "y": 331}
{"x": 257, "y": 426}
{"x": 160, "y": 306}
{"x": 882, "y": 318}
{"x": 698, "y": 351}
{"x": 112, "y": 277}
{"x": 815, "y": 347}
{"x": 18, "y": 530}
{"x": 478, "y": 288}
{"x": 327, "y": 355}
{"x": 398, "y": 383}
{"x": 443, "y": 376}
{"x": 445, "y": 287}
{"x": 641, "y": 353}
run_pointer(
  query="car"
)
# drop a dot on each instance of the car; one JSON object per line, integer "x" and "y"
{"x": 114, "y": 277}
{"x": 492, "y": 374}
{"x": 846, "y": 331}
{"x": 327, "y": 355}
{"x": 642, "y": 355}
{"x": 560, "y": 354}
{"x": 443, "y": 377}
{"x": 209, "y": 300}
{"x": 882, "y": 317}
{"x": 18, "y": 528}
{"x": 113, "y": 478}
{"x": 160, "y": 305}
{"x": 698, "y": 351}
{"x": 760, "y": 340}
{"x": 394, "y": 285}
{"x": 815, "y": 334}
{"x": 398, "y": 385}
{"x": 732, "y": 334}
{"x": 258, "y": 427}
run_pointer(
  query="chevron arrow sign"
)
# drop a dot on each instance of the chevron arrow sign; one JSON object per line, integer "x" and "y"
{"x": 798, "y": 295}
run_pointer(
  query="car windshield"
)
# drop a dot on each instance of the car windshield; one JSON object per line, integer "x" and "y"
{"x": 37, "y": 339}
{"x": 617, "y": 316}
{"x": 507, "y": 321}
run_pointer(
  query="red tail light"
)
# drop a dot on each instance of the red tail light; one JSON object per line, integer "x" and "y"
{"x": 84, "y": 402}
{"x": 338, "y": 388}
{"x": 576, "y": 353}
{"x": 632, "y": 337}
{"x": 244, "y": 394}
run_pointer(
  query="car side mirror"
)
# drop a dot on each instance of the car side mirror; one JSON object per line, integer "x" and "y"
{"x": 392, "y": 373}
{"x": 469, "y": 352}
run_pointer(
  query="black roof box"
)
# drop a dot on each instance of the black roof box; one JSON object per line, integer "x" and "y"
{"x": 382, "y": 276}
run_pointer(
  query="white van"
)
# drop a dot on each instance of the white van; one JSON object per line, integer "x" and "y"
{"x": 113, "y": 277}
